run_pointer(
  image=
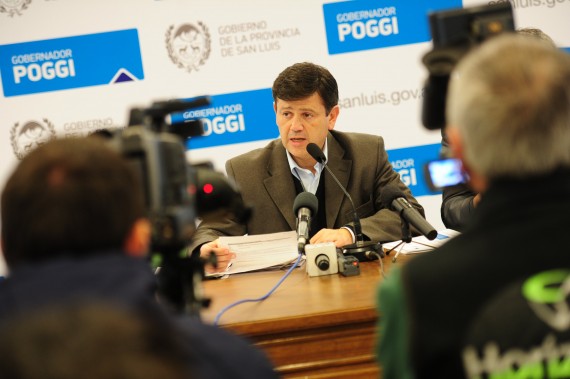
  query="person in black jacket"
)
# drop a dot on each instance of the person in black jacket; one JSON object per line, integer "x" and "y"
{"x": 448, "y": 313}
{"x": 74, "y": 231}
{"x": 459, "y": 201}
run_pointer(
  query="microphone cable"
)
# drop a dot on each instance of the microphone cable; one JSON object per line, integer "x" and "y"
{"x": 380, "y": 263}
{"x": 227, "y": 307}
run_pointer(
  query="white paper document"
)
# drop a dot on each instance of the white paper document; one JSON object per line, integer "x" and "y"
{"x": 421, "y": 244}
{"x": 262, "y": 251}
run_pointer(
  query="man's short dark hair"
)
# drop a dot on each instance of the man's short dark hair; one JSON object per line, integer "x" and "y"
{"x": 72, "y": 196}
{"x": 301, "y": 80}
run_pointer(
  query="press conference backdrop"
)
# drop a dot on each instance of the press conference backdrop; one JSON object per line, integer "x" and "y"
{"x": 69, "y": 67}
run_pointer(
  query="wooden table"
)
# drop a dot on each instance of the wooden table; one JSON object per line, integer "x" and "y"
{"x": 310, "y": 327}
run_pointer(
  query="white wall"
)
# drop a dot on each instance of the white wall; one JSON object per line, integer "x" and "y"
{"x": 240, "y": 48}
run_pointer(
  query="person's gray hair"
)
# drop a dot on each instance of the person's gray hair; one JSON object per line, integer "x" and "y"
{"x": 536, "y": 33}
{"x": 510, "y": 100}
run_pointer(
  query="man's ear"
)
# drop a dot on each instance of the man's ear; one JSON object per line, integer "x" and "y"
{"x": 455, "y": 142}
{"x": 477, "y": 182}
{"x": 333, "y": 115}
{"x": 137, "y": 243}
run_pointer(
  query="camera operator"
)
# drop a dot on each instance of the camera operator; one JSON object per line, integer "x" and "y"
{"x": 459, "y": 201}
{"x": 74, "y": 230}
{"x": 509, "y": 122}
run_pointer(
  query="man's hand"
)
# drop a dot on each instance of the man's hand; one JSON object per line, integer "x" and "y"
{"x": 223, "y": 256}
{"x": 340, "y": 237}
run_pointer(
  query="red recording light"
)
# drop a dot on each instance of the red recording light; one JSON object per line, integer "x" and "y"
{"x": 208, "y": 188}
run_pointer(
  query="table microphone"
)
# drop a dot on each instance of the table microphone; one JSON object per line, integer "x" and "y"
{"x": 393, "y": 198}
{"x": 368, "y": 249}
{"x": 305, "y": 205}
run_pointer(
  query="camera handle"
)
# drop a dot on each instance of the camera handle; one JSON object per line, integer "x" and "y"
{"x": 180, "y": 283}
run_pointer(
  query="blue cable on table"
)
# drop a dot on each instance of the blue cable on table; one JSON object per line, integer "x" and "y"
{"x": 223, "y": 310}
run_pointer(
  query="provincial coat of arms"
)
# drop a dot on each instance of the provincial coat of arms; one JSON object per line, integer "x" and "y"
{"x": 188, "y": 45}
{"x": 26, "y": 137}
{"x": 13, "y": 7}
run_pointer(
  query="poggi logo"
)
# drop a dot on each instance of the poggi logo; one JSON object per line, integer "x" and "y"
{"x": 407, "y": 171}
{"x": 409, "y": 163}
{"x": 227, "y": 118}
{"x": 373, "y": 23}
{"x": 70, "y": 62}
{"x": 358, "y": 25}
{"x": 35, "y": 72}
{"x": 218, "y": 125}
{"x": 227, "y": 121}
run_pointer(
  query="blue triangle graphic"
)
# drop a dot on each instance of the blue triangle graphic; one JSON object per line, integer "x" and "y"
{"x": 123, "y": 77}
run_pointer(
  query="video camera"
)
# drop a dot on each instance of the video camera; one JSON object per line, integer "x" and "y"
{"x": 454, "y": 32}
{"x": 176, "y": 194}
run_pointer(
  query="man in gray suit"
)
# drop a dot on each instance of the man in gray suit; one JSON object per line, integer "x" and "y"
{"x": 306, "y": 107}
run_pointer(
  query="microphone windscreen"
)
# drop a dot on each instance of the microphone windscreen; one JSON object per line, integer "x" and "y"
{"x": 316, "y": 152}
{"x": 306, "y": 200}
{"x": 390, "y": 193}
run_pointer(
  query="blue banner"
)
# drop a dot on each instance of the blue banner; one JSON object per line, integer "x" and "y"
{"x": 233, "y": 118}
{"x": 409, "y": 162}
{"x": 371, "y": 24}
{"x": 70, "y": 62}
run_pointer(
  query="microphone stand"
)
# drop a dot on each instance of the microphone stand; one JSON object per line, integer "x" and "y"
{"x": 406, "y": 237}
{"x": 361, "y": 248}
{"x": 406, "y": 233}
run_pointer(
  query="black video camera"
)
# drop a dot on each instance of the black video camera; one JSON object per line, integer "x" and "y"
{"x": 159, "y": 158}
{"x": 176, "y": 193}
{"x": 454, "y": 32}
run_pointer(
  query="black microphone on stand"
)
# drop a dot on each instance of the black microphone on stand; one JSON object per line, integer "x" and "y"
{"x": 305, "y": 205}
{"x": 394, "y": 199}
{"x": 361, "y": 249}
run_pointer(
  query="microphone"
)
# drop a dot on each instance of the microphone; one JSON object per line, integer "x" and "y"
{"x": 394, "y": 199}
{"x": 305, "y": 205}
{"x": 360, "y": 246}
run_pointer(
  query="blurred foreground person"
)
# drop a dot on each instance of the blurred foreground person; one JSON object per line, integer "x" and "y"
{"x": 459, "y": 201}
{"x": 95, "y": 341}
{"x": 493, "y": 302}
{"x": 74, "y": 231}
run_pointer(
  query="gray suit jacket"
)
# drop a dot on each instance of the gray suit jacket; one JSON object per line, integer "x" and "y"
{"x": 263, "y": 177}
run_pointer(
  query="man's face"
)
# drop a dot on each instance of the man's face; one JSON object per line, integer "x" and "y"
{"x": 301, "y": 122}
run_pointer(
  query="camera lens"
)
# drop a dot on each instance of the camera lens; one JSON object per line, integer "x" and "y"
{"x": 322, "y": 262}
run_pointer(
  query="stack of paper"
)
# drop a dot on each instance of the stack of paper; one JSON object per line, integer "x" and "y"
{"x": 420, "y": 244}
{"x": 260, "y": 252}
